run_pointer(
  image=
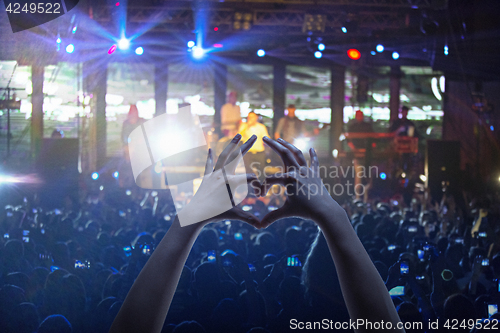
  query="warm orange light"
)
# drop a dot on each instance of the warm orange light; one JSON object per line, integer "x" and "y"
{"x": 353, "y": 54}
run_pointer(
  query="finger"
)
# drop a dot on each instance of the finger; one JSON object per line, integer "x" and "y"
{"x": 239, "y": 153}
{"x": 295, "y": 151}
{"x": 209, "y": 166}
{"x": 286, "y": 155}
{"x": 273, "y": 216}
{"x": 227, "y": 152}
{"x": 314, "y": 160}
{"x": 238, "y": 180}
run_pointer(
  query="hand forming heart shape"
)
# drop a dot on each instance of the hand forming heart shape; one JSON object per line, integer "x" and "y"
{"x": 307, "y": 197}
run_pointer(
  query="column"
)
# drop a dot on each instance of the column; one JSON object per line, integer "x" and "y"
{"x": 279, "y": 94}
{"x": 220, "y": 87}
{"x": 37, "y": 72}
{"x": 95, "y": 75}
{"x": 161, "y": 88}
{"x": 394, "y": 90}
{"x": 337, "y": 98}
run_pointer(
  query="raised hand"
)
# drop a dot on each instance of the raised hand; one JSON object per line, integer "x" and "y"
{"x": 212, "y": 195}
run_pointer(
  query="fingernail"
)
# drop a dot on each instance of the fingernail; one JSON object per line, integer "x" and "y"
{"x": 266, "y": 138}
{"x": 253, "y": 137}
{"x": 237, "y": 137}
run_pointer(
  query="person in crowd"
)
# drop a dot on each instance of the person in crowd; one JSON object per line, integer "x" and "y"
{"x": 289, "y": 127}
{"x": 256, "y": 157}
{"x": 403, "y": 126}
{"x": 133, "y": 120}
{"x": 362, "y": 145}
{"x": 230, "y": 114}
{"x": 359, "y": 125}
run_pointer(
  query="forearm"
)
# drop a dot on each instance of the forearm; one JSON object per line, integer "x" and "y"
{"x": 148, "y": 301}
{"x": 364, "y": 291}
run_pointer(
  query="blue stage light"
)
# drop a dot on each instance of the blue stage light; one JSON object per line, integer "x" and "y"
{"x": 190, "y": 44}
{"x": 95, "y": 176}
{"x": 379, "y": 48}
{"x": 318, "y": 54}
{"x": 383, "y": 175}
{"x": 395, "y": 55}
{"x": 70, "y": 48}
{"x": 373, "y": 52}
{"x": 58, "y": 40}
{"x": 321, "y": 47}
{"x": 344, "y": 30}
{"x": 261, "y": 53}
{"x": 116, "y": 174}
{"x": 198, "y": 52}
{"x": 123, "y": 44}
{"x": 139, "y": 50}
{"x": 446, "y": 50}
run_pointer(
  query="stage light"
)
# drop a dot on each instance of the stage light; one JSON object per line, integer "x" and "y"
{"x": 116, "y": 174}
{"x": 383, "y": 175}
{"x": 373, "y": 52}
{"x": 318, "y": 54}
{"x": 216, "y": 29}
{"x": 218, "y": 45}
{"x": 112, "y": 49}
{"x": 423, "y": 178}
{"x": 492, "y": 128}
{"x": 95, "y": 176}
{"x": 123, "y": 44}
{"x": 139, "y": 50}
{"x": 261, "y": 53}
{"x": 7, "y": 179}
{"x": 335, "y": 153}
{"x": 198, "y": 52}
{"x": 74, "y": 29}
{"x": 353, "y": 54}
{"x": 117, "y": 4}
{"x": 300, "y": 143}
{"x": 344, "y": 30}
{"x": 446, "y": 50}
{"x": 403, "y": 175}
{"x": 435, "y": 88}
{"x": 395, "y": 55}
{"x": 158, "y": 167}
{"x": 190, "y": 44}
{"x": 70, "y": 48}
{"x": 380, "y": 48}
{"x": 58, "y": 40}
{"x": 321, "y": 47}
{"x": 101, "y": 188}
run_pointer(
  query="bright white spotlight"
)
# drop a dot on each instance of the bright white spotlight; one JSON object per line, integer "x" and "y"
{"x": 198, "y": 52}
{"x": 395, "y": 55}
{"x": 321, "y": 47}
{"x": 123, "y": 44}
{"x": 139, "y": 50}
{"x": 70, "y": 48}
{"x": 116, "y": 174}
{"x": 95, "y": 176}
{"x": 344, "y": 30}
{"x": 58, "y": 40}
{"x": 318, "y": 54}
{"x": 190, "y": 44}
{"x": 380, "y": 48}
{"x": 423, "y": 178}
{"x": 261, "y": 53}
